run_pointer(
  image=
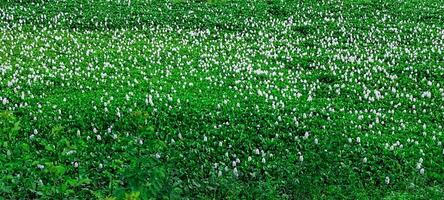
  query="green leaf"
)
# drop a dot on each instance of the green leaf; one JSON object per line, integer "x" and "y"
{"x": 58, "y": 170}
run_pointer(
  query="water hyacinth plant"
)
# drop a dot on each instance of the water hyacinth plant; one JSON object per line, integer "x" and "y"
{"x": 221, "y": 99}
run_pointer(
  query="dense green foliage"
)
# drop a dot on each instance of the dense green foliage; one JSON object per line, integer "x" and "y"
{"x": 251, "y": 99}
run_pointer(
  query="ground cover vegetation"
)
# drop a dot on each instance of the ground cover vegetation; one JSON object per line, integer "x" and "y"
{"x": 218, "y": 99}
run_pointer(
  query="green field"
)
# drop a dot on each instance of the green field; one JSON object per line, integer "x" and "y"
{"x": 219, "y": 99}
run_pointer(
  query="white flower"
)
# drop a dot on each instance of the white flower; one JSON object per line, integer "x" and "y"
{"x": 40, "y": 166}
{"x": 70, "y": 152}
{"x": 426, "y": 94}
{"x": 310, "y": 98}
{"x": 99, "y": 137}
{"x": 306, "y": 135}
{"x": 421, "y": 171}
{"x": 364, "y": 160}
{"x": 418, "y": 165}
{"x": 387, "y": 180}
{"x": 5, "y": 101}
{"x": 301, "y": 158}
{"x": 256, "y": 151}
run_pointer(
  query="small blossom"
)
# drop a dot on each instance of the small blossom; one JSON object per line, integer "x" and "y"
{"x": 235, "y": 172}
{"x": 256, "y": 151}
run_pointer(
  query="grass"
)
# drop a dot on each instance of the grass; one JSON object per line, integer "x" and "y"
{"x": 221, "y": 99}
